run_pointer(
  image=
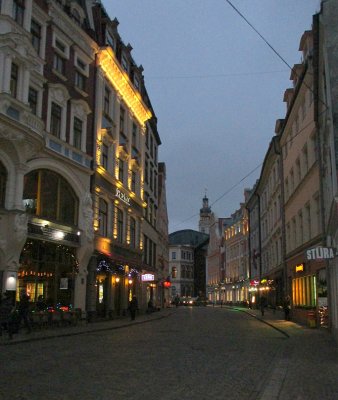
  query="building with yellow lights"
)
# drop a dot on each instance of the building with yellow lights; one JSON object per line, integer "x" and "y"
{"x": 236, "y": 235}
{"x": 125, "y": 180}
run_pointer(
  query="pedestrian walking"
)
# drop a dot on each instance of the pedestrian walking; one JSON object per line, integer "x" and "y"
{"x": 23, "y": 311}
{"x": 133, "y": 307}
{"x": 287, "y": 308}
{"x": 262, "y": 305}
{"x": 6, "y": 312}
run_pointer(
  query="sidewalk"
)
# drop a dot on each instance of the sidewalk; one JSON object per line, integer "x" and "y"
{"x": 274, "y": 318}
{"x": 82, "y": 328}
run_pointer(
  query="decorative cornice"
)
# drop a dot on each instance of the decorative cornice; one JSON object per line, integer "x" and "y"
{"x": 122, "y": 84}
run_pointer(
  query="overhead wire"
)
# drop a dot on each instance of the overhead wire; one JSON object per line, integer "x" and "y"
{"x": 287, "y": 141}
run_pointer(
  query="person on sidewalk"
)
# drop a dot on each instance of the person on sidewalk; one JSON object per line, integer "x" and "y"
{"x": 133, "y": 307}
{"x": 287, "y": 308}
{"x": 23, "y": 310}
{"x": 262, "y": 305}
{"x": 6, "y": 311}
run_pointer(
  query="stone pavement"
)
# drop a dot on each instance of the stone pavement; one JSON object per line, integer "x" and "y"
{"x": 82, "y": 327}
{"x": 309, "y": 352}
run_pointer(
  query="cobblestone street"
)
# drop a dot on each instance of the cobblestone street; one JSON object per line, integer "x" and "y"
{"x": 185, "y": 353}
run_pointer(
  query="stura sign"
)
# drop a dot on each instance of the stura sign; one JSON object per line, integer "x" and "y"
{"x": 122, "y": 196}
{"x": 321, "y": 253}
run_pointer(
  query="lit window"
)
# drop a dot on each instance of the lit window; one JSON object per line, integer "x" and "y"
{"x": 174, "y": 272}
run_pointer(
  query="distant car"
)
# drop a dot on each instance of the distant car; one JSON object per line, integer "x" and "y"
{"x": 188, "y": 301}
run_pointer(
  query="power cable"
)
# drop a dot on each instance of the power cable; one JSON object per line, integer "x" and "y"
{"x": 273, "y": 49}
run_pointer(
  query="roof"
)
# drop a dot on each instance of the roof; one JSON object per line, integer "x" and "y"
{"x": 187, "y": 237}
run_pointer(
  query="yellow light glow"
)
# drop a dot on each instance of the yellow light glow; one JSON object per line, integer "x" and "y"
{"x": 117, "y": 280}
{"x": 300, "y": 268}
{"x": 122, "y": 84}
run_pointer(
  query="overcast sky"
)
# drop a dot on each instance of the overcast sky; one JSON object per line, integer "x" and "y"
{"x": 216, "y": 88}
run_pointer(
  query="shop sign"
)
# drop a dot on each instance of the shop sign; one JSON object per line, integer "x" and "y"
{"x": 147, "y": 277}
{"x": 122, "y": 196}
{"x": 254, "y": 282}
{"x": 320, "y": 253}
{"x": 300, "y": 268}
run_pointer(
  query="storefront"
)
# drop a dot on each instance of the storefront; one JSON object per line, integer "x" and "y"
{"x": 308, "y": 286}
{"x": 48, "y": 269}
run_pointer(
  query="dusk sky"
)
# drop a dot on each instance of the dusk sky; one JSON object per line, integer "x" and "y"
{"x": 216, "y": 88}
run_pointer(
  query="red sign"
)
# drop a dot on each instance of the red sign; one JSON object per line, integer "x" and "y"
{"x": 166, "y": 284}
{"x": 254, "y": 282}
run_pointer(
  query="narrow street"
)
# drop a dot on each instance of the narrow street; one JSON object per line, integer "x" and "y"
{"x": 193, "y": 353}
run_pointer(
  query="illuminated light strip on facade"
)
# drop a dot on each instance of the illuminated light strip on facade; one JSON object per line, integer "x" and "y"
{"x": 122, "y": 84}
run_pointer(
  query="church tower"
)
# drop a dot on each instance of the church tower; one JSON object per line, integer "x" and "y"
{"x": 205, "y": 216}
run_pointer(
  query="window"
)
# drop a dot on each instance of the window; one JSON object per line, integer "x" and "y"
{"x": 80, "y": 81}
{"x": 124, "y": 63}
{"x": 3, "y": 180}
{"x": 77, "y": 132}
{"x": 122, "y": 118}
{"x": 76, "y": 16}
{"x": 119, "y": 226}
{"x": 14, "y": 80}
{"x": 121, "y": 170}
{"x": 174, "y": 272}
{"x": 110, "y": 40}
{"x": 173, "y": 255}
{"x": 134, "y": 135}
{"x": 18, "y": 11}
{"x": 133, "y": 181}
{"x": 55, "y": 121}
{"x": 48, "y": 195}
{"x": 106, "y": 103}
{"x": 33, "y": 100}
{"x": 104, "y": 153}
{"x": 305, "y": 159}
{"x": 132, "y": 232}
{"x": 59, "y": 64}
{"x": 103, "y": 214}
{"x": 146, "y": 171}
{"x": 36, "y": 35}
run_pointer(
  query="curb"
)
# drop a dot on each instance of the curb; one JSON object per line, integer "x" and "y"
{"x": 264, "y": 321}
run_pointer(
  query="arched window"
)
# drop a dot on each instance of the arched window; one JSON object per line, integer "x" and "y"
{"x": 48, "y": 195}
{"x": 3, "y": 180}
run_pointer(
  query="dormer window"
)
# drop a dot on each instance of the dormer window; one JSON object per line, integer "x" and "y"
{"x": 136, "y": 82}
{"x": 76, "y": 16}
{"x": 110, "y": 41}
{"x": 124, "y": 63}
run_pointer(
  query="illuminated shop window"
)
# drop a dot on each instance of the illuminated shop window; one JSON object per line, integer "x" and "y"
{"x": 304, "y": 291}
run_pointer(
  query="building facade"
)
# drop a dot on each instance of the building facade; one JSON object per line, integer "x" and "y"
{"x": 236, "y": 237}
{"x": 182, "y": 264}
{"x": 79, "y": 167}
{"x": 47, "y": 61}
{"x": 326, "y": 113}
